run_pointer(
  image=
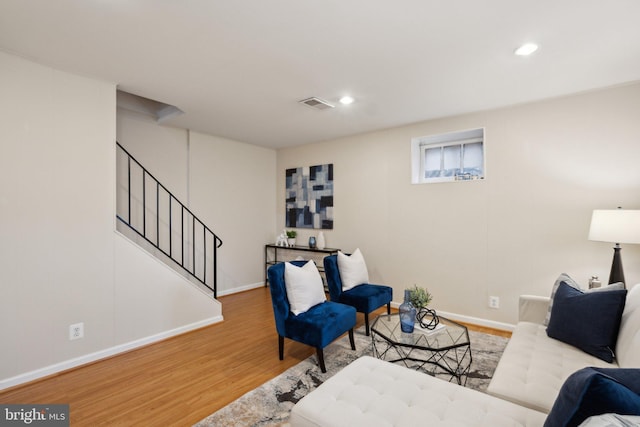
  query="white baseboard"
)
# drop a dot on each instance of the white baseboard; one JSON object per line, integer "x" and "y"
{"x": 102, "y": 354}
{"x": 478, "y": 321}
{"x": 240, "y": 289}
{"x": 473, "y": 320}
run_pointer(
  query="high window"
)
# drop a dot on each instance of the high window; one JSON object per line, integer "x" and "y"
{"x": 455, "y": 156}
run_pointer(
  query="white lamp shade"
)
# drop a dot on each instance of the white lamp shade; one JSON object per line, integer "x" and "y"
{"x": 615, "y": 225}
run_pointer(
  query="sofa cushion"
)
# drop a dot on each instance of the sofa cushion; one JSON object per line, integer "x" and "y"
{"x": 321, "y": 324}
{"x": 304, "y": 287}
{"x": 366, "y": 297}
{"x": 533, "y": 367}
{"x": 373, "y": 393}
{"x": 564, "y": 277}
{"x": 589, "y": 321}
{"x": 592, "y": 391}
{"x": 628, "y": 345}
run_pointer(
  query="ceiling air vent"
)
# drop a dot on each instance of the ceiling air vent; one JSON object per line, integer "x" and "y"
{"x": 316, "y": 103}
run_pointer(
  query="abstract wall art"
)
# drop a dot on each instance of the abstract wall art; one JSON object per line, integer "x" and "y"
{"x": 310, "y": 197}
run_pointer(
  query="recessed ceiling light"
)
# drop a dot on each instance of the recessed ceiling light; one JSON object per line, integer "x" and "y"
{"x": 526, "y": 49}
{"x": 346, "y": 100}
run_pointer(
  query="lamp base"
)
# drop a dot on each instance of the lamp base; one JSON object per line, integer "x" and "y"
{"x": 616, "y": 274}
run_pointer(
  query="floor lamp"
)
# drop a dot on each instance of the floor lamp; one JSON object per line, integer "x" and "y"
{"x": 615, "y": 226}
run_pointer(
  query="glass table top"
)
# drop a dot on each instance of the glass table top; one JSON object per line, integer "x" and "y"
{"x": 448, "y": 334}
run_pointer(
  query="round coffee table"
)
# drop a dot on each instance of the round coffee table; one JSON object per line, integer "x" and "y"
{"x": 443, "y": 351}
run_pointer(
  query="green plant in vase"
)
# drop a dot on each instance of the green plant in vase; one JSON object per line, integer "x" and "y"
{"x": 420, "y": 297}
{"x": 291, "y": 237}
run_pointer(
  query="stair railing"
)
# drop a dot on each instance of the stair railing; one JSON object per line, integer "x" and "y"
{"x": 156, "y": 215}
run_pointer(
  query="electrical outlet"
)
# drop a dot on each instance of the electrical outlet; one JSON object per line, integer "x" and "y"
{"x": 494, "y": 302}
{"x": 76, "y": 331}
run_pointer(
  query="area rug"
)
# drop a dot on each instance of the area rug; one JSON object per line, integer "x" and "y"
{"x": 270, "y": 404}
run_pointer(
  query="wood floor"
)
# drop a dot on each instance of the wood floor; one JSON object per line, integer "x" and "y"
{"x": 178, "y": 381}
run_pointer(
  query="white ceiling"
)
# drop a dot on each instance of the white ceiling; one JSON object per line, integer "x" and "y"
{"x": 238, "y": 67}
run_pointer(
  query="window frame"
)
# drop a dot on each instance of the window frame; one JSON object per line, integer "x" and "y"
{"x": 420, "y": 145}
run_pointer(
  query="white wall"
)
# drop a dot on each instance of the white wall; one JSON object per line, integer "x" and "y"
{"x": 56, "y": 259}
{"x": 233, "y": 185}
{"x": 228, "y": 184}
{"x": 162, "y": 150}
{"x": 152, "y": 300}
{"x": 61, "y": 261}
{"x": 549, "y": 164}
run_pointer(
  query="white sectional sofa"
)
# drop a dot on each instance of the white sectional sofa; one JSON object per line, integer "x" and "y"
{"x": 373, "y": 393}
{"x": 533, "y": 367}
{"x": 370, "y": 392}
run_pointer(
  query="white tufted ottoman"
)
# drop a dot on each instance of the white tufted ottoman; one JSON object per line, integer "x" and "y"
{"x": 371, "y": 392}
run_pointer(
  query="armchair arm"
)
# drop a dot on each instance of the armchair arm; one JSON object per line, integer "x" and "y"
{"x": 533, "y": 308}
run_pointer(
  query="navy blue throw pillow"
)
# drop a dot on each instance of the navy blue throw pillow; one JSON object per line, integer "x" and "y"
{"x": 595, "y": 391}
{"x": 589, "y": 321}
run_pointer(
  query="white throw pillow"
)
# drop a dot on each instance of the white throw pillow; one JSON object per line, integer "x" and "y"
{"x": 304, "y": 286}
{"x": 353, "y": 270}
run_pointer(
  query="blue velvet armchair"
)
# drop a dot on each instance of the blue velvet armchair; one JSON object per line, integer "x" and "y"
{"x": 317, "y": 327}
{"x": 365, "y": 298}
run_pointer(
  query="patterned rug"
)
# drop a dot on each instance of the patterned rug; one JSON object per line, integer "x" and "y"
{"x": 270, "y": 404}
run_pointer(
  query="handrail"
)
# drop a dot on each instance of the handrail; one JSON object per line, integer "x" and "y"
{"x": 190, "y": 252}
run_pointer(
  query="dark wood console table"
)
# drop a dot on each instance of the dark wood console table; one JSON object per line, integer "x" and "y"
{"x": 290, "y": 253}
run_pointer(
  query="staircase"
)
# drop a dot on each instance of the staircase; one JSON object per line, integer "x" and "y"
{"x": 153, "y": 217}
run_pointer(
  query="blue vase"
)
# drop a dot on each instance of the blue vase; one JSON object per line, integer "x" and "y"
{"x": 407, "y": 313}
{"x": 312, "y": 242}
